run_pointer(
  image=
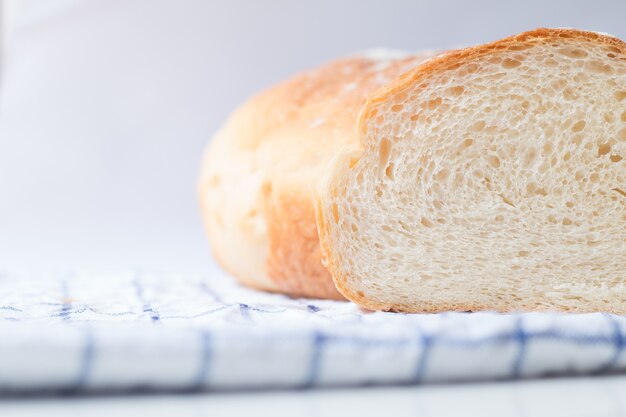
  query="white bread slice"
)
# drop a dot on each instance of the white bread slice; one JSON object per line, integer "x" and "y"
{"x": 489, "y": 178}
{"x": 259, "y": 171}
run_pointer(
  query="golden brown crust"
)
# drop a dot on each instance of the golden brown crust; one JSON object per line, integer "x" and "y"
{"x": 261, "y": 169}
{"x": 447, "y": 61}
{"x": 294, "y": 249}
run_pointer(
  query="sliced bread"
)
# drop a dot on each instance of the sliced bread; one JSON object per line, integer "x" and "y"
{"x": 488, "y": 178}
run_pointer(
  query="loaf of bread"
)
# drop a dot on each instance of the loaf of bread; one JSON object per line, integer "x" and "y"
{"x": 261, "y": 170}
{"x": 492, "y": 177}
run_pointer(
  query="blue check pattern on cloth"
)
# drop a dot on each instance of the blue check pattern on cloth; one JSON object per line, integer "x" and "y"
{"x": 86, "y": 331}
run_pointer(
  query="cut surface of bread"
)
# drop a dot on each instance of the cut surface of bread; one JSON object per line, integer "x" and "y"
{"x": 489, "y": 178}
{"x": 260, "y": 170}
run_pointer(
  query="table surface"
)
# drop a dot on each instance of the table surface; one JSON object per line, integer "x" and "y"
{"x": 588, "y": 396}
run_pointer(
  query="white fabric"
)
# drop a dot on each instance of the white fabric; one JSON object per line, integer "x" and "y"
{"x": 128, "y": 330}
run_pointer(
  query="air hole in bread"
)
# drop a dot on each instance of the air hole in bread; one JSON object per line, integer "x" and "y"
{"x": 493, "y": 160}
{"x": 533, "y": 188}
{"x": 577, "y": 140}
{"x": 620, "y": 95}
{"x": 506, "y": 200}
{"x": 569, "y": 94}
{"x": 487, "y": 183}
{"x": 442, "y": 175}
{"x": 397, "y": 108}
{"x": 604, "y": 149}
{"x": 616, "y": 158}
{"x": 579, "y": 175}
{"x": 578, "y": 126}
{"x": 478, "y": 126}
{"x": 456, "y": 91}
{"x": 551, "y": 62}
{"x": 425, "y": 222}
{"x": 434, "y": 103}
{"x": 548, "y": 148}
{"x": 553, "y": 161}
{"x": 530, "y": 157}
{"x": 384, "y": 151}
{"x": 389, "y": 171}
{"x": 509, "y": 63}
{"x": 573, "y": 52}
{"x": 581, "y": 77}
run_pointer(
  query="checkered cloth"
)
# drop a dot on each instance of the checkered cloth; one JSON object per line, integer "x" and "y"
{"x": 122, "y": 331}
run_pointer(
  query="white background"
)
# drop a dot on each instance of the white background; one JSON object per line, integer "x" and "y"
{"x": 106, "y": 105}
